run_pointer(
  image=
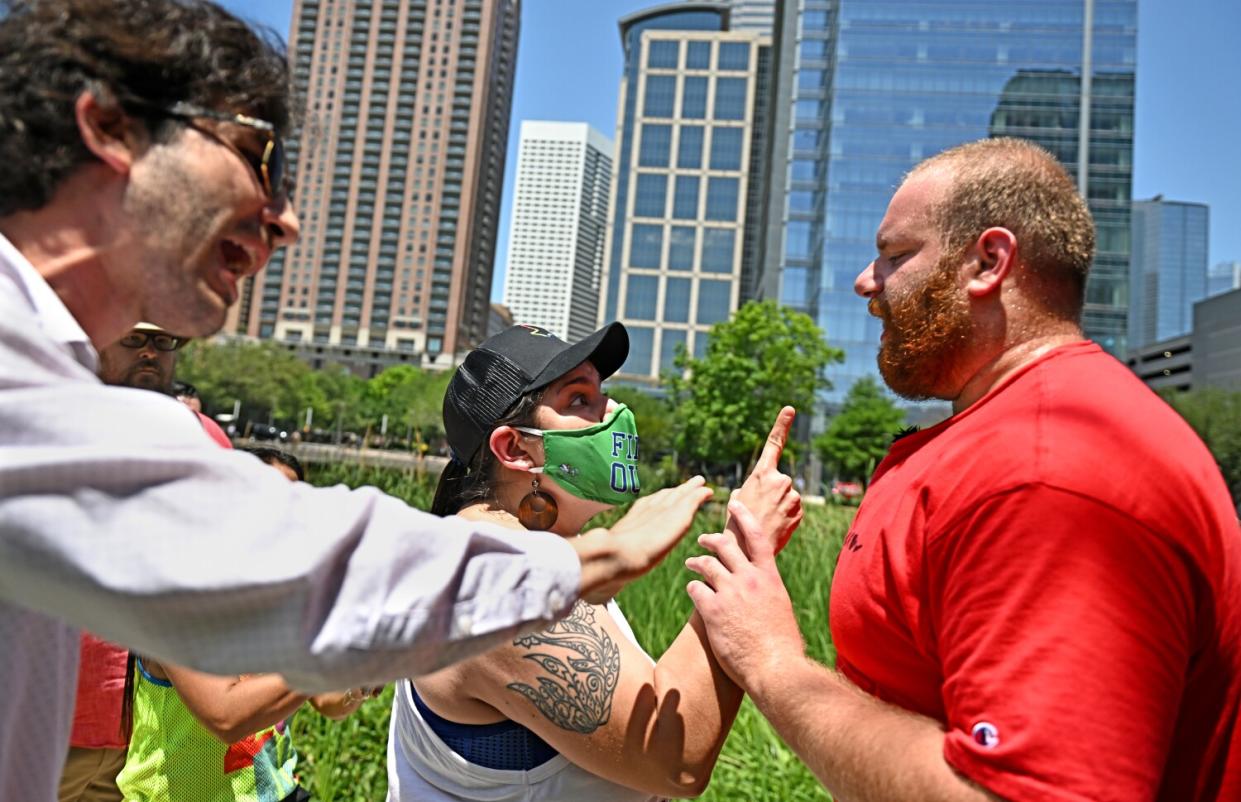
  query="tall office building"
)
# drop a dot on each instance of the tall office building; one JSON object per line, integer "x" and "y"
{"x": 752, "y": 15}
{"x": 868, "y": 89}
{"x": 1224, "y": 277}
{"x": 690, "y": 179}
{"x": 1168, "y": 269}
{"x": 398, "y": 170}
{"x": 560, "y": 218}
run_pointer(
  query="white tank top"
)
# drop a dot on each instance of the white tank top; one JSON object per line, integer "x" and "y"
{"x": 422, "y": 768}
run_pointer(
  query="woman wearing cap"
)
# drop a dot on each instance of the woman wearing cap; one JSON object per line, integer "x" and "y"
{"x": 577, "y": 711}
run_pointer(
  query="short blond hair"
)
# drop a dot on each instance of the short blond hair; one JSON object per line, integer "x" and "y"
{"x": 1017, "y": 185}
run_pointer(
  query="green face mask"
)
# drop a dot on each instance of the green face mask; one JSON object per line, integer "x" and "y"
{"x": 597, "y": 463}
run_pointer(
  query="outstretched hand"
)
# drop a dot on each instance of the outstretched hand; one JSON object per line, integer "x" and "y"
{"x": 770, "y": 496}
{"x": 639, "y": 541}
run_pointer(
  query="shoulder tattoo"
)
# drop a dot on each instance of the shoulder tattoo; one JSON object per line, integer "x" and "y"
{"x": 575, "y": 689}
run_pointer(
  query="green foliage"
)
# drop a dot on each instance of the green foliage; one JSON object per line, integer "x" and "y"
{"x": 346, "y": 760}
{"x": 268, "y": 380}
{"x": 411, "y": 398}
{"x": 859, "y": 436}
{"x": 271, "y": 382}
{"x": 766, "y": 356}
{"x": 1215, "y": 414}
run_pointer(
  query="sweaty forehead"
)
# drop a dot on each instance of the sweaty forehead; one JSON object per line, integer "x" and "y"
{"x": 910, "y": 212}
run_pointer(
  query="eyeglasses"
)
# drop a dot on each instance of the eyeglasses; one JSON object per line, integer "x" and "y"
{"x": 161, "y": 341}
{"x": 269, "y": 167}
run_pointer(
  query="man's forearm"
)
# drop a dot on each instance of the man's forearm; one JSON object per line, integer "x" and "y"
{"x": 860, "y": 748}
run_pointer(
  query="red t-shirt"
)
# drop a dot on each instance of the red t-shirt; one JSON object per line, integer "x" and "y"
{"x": 101, "y": 691}
{"x": 1055, "y": 575}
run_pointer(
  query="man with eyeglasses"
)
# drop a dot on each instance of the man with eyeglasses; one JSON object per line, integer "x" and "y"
{"x": 143, "y": 179}
{"x": 145, "y": 359}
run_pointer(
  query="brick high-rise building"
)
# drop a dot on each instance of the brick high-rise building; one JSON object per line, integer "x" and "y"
{"x": 398, "y": 170}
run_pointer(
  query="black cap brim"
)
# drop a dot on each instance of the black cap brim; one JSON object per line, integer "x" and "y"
{"x": 607, "y": 349}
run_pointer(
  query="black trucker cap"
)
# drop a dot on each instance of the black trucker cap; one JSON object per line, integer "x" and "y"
{"x": 512, "y": 363}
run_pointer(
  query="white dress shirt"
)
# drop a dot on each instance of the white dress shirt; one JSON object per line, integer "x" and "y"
{"x": 118, "y": 514}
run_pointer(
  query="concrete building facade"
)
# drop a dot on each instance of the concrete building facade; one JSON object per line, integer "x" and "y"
{"x": 558, "y": 227}
{"x": 690, "y": 180}
{"x": 398, "y": 170}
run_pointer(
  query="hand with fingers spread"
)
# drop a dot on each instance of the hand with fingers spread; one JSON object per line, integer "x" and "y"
{"x": 743, "y": 602}
{"x": 769, "y": 495}
{"x": 638, "y": 542}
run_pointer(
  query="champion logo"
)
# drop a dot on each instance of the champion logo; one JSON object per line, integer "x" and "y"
{"x": 986, "y": 735}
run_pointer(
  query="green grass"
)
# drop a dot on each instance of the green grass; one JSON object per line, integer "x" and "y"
{"x": 346, "y": 760}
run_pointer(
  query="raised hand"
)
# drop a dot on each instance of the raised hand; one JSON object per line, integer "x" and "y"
{"x": 639, "y": 541}
{"x": 769, "y": 495}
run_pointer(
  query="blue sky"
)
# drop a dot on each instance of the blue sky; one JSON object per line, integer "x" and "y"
{"x": 1188, "y": 129}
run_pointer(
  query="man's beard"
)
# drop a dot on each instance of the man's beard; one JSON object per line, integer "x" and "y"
{"x": 927, "y": 328}
{"x": 148, "y": 379}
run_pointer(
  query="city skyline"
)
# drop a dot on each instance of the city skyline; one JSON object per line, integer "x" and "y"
{"x": 570, "y": 60}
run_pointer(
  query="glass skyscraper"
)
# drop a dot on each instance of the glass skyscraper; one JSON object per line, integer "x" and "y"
{"x": 1169, "y": 269}
{"x": 868, "y": 88}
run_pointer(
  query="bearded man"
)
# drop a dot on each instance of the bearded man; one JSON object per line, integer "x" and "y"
{"x": 1040, "y": 597}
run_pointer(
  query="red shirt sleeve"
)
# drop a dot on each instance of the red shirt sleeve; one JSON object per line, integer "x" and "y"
{"x": 1064, "y": 629}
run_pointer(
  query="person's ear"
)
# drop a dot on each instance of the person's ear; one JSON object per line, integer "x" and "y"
{"x": 513, "y": 449}
{"x": 996, "y": 256}
{"x": 107, "y": 131}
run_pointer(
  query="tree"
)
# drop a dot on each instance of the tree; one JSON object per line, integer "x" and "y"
{"x": 267, "y": 380}
{"x": 410, "y": 397}
{"x": 859, "y": 436}
{"x": 766, "y": 356}
{"x": 1215, "y": 414}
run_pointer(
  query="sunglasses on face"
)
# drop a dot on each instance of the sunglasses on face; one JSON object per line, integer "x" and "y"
{"x": 162, "y": 342}
{"x": 269, "y": 167}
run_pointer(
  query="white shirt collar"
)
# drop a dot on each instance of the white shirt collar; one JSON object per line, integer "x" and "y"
{"x": 57, "y": 322}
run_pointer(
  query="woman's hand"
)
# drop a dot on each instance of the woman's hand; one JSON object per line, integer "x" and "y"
{"x": 769, "y": 496}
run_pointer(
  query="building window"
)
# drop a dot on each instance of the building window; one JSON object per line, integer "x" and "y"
{"x": 694, "y": 97}
{"x": 676, "y": 300}
{"x": 660, "y": 96}
{"x": 641, "y": 342}
{"x": 733, "y": 56}
{"x": 685, "y": 198}
{"x": 698, "y": 55}
{"x": 681, "y": 245}
{"x": 645, "y": 246}
{"x": 640, "y": 293}
{"x": 726, "y": 148}
{"x": 650, "y": 197}
{"x": 669, "y": 340}
{"x": 714, "y": 298}
{"x": 718, "y": 247}
{"x": 663, "y": 54}
{"x": 722, "y": 198}
{"x": 797, "y": 240}
{"x": 656, "y": 145}
{"x": 689, "y": 147}
{"x": 730, "y": 98}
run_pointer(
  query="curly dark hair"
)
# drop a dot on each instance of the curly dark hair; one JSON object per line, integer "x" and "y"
{"x": 140, "y": 54}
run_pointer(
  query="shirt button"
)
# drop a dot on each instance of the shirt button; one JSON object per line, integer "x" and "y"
{"x": 556, "y": 600}
{"x": 465, "y": 624}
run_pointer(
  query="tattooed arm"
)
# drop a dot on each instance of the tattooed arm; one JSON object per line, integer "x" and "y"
{"x": 597, "y": 698}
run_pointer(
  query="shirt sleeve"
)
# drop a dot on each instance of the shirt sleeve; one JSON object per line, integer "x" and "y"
{"x": 1064, "y": 629}
{"x": 118, "y": 514}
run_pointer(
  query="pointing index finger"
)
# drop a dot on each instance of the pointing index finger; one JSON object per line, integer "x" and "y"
{"x": 779, "y": 435}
